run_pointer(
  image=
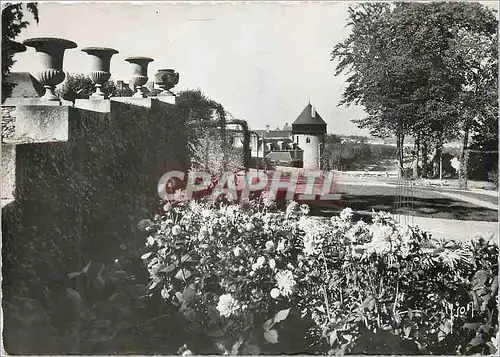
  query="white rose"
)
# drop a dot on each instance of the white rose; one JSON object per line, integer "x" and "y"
{"x": 237, "y": 251}
{"x": 305, "y": 209}
{"x": 261, "y": 260}
{"x": 150, "y": 241}
{"x": 176, "y": 230}
{"x": 203, "y": 233}
{"x": 281, "y": 246}
{"x": 275, "y": 293}
{"x": 272, "y": 264}
{"x": 269, "y": 245}
{"x": 346, "y": 214}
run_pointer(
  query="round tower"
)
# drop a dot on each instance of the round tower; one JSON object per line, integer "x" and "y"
{"x": 308, "y": 132}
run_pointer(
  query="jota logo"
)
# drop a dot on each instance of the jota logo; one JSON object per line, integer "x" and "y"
{"x": 306, "y": 186}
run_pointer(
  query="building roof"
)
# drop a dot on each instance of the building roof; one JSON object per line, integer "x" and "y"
{"x": 309, "y": 116}
{"x": 273, "y": 133}
{"x": 279, "y": 156}
{"x": 278, "y": 134}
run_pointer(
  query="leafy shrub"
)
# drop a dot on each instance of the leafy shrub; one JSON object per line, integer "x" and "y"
{"x": 251, "y": 279}
{"x": 80, "y": 86}
{"x": 493, "y": 177}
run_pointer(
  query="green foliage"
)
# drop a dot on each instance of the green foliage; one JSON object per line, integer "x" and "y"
{"x": 81, "y": 198}
{"x": 248, "y": 279}
{"x": 215, "y": 156}
{"x": 420, "y": 68}
{"x": 12, "y": 24}
{"x": 493, "y": 177}
{"x": 218, "y": 265}
{"x": 349, "y": 156}
{"x": 100, "y": 310}
{"x": 206, "y": 120}
{"x": 92, "y": 190}
{"x": 240, "y": 273}
{"x": 80, "y": 86}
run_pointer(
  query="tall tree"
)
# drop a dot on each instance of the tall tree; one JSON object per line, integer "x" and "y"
{"x": 396, "y": 58}
{"x": 12, "y": 24}
{"x": 474, "y": 55}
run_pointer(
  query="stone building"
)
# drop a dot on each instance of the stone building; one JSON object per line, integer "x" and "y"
{"x": 297, "y": 145}
{"x": 309, "y": 131}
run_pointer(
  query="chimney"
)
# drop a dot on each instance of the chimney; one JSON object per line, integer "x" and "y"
{"x": 286, "y": 126}
{"x": 119, "y": 84}
{"x": 267, "y": 128}
{"x": 313, "y": 112}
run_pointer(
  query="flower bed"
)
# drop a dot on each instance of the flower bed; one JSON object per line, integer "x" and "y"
{"x": 249, "y": 279}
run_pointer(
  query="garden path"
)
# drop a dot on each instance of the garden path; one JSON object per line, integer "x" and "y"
{"x": 454, "y": 229}
{"x": 457, "y": 230}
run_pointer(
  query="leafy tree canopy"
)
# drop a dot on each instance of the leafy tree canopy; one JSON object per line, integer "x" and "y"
{"x": 397, "y": 59}
{"x": 80, "y": 86}
{"x": 13, "y": 22}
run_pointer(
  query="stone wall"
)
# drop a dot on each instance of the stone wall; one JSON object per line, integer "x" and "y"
{"x": 75, "y": 182}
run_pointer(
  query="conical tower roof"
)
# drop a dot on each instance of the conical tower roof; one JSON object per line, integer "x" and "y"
{"x": 309, "y": 121}
{"x": 309, "y": 116}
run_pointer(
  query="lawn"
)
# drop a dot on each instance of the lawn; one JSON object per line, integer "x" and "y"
{"x": 472, "y": 194}
{"x": 420, "y": 202}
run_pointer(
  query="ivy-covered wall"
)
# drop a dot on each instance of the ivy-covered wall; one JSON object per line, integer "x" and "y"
{"x": 80, "y": 200}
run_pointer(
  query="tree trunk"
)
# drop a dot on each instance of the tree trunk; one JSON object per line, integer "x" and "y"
{"x": 465, "y": 168}
{"x": 416, "y": 153}
{"x": 400, "y": 141}
{"x": 437, "y": 158}
{"x": 425, "y": 159}
{"x": 462, "y": 171}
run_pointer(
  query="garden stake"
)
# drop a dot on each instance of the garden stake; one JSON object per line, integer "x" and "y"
{"x": 396, "y": 298}
{"x": 326, "y": 303}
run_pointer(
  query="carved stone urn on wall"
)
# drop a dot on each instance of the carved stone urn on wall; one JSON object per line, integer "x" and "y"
{"x": 140, "y": 74}
{"x": 101, "y": 58}
{"x": 166, "y": 79}
{"x": 51, "y": 53}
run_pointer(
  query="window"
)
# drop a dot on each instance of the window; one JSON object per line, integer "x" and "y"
{"x": 308, "y": 140}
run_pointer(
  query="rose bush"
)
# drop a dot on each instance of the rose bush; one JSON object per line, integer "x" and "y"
{"x": 252, "y": 279}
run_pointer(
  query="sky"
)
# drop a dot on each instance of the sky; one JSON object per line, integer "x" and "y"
{"x": 262, "y": 61}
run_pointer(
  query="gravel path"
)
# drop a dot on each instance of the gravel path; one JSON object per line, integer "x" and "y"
{"x": 458, "y": 230}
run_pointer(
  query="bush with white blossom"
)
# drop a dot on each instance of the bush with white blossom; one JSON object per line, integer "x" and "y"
{"x": 239, "y": 272}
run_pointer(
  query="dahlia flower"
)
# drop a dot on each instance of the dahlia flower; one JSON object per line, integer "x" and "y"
{"x": 285, "y": 282}
{"x": 228, "y": 305}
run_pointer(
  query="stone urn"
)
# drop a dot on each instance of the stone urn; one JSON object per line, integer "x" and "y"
{"x": 166, "y": 79}
{"x": 140, "y": 74}
{"x": 101, "y": 58}
{"x": 51, "y": 53}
